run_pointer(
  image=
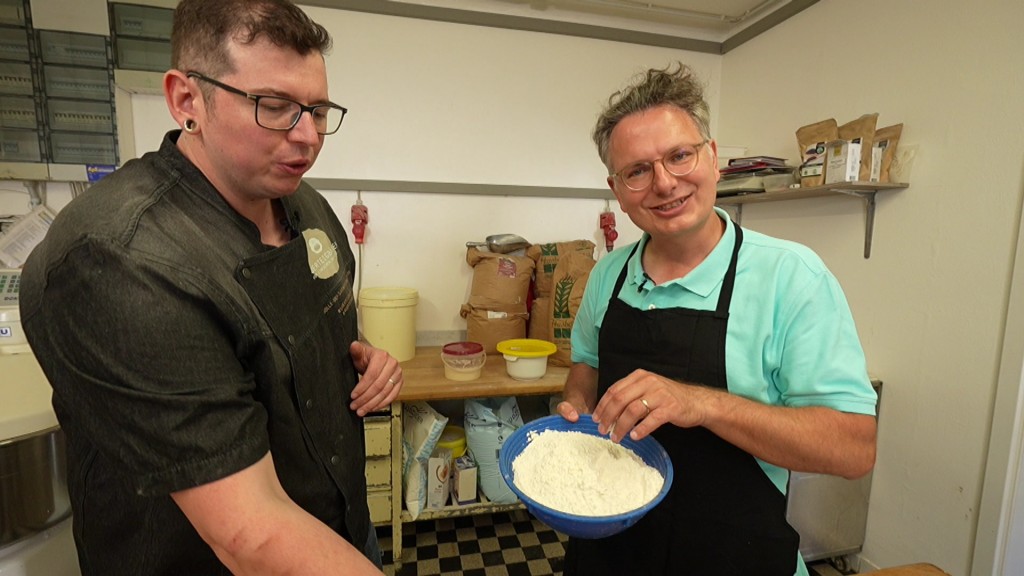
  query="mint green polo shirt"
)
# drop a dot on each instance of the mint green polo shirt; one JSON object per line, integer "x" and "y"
{"x": 791, "y": 339}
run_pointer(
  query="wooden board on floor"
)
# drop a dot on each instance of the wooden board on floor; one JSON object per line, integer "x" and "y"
{"x": 923, "y": 569}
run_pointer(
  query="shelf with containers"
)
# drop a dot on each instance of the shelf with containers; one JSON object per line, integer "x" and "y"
{"x": 425, "y": 380}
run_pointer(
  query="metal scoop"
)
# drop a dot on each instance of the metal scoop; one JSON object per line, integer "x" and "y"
{"x": 502, "y": 243}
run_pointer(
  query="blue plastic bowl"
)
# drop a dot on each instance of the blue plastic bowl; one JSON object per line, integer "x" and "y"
{"x": 590, "y": 527}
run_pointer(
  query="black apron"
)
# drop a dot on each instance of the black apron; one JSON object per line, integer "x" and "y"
{"x": 314, "y": 319}
{"x": 722, "y": 516}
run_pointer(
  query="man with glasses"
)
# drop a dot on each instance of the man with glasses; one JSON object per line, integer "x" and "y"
{"x": 194, "y": 314}
{"x": 736, "y": 351}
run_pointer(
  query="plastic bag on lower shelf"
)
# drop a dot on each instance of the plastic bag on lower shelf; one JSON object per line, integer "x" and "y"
{"x": 489, "y": 421}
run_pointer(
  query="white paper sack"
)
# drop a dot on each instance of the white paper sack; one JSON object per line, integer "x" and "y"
{"x": 422, "y": 427}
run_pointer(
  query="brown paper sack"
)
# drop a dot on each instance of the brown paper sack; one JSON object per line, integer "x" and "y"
{"x": 889, "y": 137}
{"x": 546, "y": 256}
{"x": 812, "y": 139}
{"x": 500, "y": 281}
{"x": 488, "y": 327}
{"x": 569, "y": 281}
{"x": 539, "y": 327}
{"x": 863, "y": 128}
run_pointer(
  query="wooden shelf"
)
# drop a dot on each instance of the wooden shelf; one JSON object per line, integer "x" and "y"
{"x": 484, "y": 506}
{"x": 425, "y": 380}
{"x": 864, "y": 190}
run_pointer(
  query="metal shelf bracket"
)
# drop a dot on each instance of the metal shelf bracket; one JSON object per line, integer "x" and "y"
{"x": 869, "y": 207}
{"x": 863, "y": 190}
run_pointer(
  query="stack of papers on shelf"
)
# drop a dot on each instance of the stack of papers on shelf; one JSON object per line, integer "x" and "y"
{"x": 754, "y": 164}
{"x": 736, "y": 186}
{"x": 746, "y": 175}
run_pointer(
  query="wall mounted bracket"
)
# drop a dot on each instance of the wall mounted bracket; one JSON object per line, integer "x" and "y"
{"x": 865, "y": 190}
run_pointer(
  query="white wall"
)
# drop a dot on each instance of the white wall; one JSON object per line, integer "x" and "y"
{"x": 438, "y": 102}
{"x": 434, "y": 101}
{"x": 14, "y": 198}
{"x": 930, "y": 302}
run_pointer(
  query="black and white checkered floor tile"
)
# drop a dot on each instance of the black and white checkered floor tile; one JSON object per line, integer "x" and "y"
{"x": 501, "y": 544}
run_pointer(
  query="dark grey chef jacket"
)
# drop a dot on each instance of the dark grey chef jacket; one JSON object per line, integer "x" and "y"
{"x": 181, "y": 350}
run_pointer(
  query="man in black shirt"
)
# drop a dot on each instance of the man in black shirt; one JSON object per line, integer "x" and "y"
{"x": 194, "y": 314}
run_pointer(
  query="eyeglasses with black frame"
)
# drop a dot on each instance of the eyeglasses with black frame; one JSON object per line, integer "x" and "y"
{"x": 679, "y": 161}
{"x": 277, "y": 113}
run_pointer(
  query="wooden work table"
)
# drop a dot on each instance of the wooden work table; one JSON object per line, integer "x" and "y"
{"x": 424, "y": 380}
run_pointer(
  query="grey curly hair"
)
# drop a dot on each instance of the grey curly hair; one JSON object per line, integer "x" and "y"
{"x": 675, "y": 85}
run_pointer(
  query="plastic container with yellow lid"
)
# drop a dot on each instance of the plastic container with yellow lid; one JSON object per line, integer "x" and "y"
{"x": 526, "y": 358}
{"x": 454, "y": 439}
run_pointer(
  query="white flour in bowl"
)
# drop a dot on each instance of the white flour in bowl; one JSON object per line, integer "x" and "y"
{"x": 585, "y": 475}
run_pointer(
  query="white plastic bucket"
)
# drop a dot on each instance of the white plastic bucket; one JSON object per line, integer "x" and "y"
{"x": 526, "y": 358}
{"x": 389, "y": 319}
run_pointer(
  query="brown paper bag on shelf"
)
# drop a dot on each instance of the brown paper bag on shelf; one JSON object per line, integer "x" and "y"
{"x": 569, "y": 281}
{"x": 884, "y": 152}
{"x": 500, "y": 281}
{"x": 539, "y": 327}
{"x": 546, "y": 256}
{"x": 863, "y": 128}
{"x": 812, "y": 141}
{"x": 488, "y": 327}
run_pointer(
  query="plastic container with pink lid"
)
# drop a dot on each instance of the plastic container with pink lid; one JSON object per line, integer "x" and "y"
{"x": 463, "y": 361}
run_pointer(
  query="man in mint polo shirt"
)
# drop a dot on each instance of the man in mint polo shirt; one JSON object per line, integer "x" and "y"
{"x": 735, "y": 350}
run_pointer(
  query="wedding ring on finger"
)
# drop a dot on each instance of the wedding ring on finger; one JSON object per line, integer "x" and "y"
{"x": 646, "y": 406}
{"x": 391, "y": 381}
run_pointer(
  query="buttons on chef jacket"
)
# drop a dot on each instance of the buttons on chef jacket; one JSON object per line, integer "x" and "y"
{"x": 309, "y": 404}
{"x": 246, "y": 273}
{"x": 291, "y": 339}
{"x": 335, "y": 459}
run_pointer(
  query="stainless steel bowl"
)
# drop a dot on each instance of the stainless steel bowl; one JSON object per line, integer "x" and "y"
{"x": 33, "y": 485}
